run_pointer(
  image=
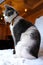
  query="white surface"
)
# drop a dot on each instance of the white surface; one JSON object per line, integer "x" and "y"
{"x": 7, "y": 58}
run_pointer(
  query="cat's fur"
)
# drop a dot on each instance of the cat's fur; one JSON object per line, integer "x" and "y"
{"x": 25, "y": 35}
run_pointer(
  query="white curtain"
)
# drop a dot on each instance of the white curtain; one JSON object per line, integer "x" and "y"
{"x": 39, "y": 25}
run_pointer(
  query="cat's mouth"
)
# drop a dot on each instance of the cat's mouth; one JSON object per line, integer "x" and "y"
{"x": 7, "y": 23}
{"x": 6, "y": 20}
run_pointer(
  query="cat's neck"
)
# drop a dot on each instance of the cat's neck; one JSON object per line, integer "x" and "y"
{"x": 15, "y": 20}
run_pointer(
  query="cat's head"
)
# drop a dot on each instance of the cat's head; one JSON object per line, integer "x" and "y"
{"x": 9, "y": 13}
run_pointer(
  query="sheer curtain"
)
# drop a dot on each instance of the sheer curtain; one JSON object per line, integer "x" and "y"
{"x": 39, "y": 25}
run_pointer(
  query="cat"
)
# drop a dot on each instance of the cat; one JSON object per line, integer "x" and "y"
{"x": 25, "y": 35}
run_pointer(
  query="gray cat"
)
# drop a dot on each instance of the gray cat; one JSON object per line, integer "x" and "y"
{"x": 25, "y": 35}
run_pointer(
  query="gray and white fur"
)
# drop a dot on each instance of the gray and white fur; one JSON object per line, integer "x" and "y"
{"x": 25, "y": 35}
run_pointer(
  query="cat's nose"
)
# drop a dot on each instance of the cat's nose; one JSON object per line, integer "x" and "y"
{"x": 8, "y": 23}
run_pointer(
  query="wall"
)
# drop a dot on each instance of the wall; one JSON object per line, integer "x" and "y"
{"x": 33, "y": 17}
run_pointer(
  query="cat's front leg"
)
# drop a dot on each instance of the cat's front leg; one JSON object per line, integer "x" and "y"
{"x": 11, "y": 29}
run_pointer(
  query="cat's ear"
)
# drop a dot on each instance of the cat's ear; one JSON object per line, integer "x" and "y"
{"x": 6, "y": 6}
